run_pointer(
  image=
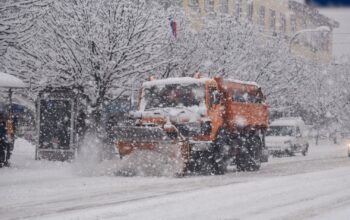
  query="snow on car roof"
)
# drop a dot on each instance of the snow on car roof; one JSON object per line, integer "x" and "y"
{"x": 287, "y": 122}
{"x": 9, "y": 81}
{"x": 178, "y": 80}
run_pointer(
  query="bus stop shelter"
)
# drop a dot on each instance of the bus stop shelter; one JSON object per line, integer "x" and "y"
{"x": 9, "y": 83}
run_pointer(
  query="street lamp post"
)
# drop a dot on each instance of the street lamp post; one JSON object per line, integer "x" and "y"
{"x": 318, "y": 29}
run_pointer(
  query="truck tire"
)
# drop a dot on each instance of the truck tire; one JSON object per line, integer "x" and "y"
{"x": 219, "y": 165}
{"x": 291, "y": 152}
{"x": 200, "y": 163}
{"x": 220, "y": 153}
{"x": 249, "y": 158}
{"x": 194, "y": 163}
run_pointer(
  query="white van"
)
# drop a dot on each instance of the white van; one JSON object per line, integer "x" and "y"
{"x": 287, "y": 136}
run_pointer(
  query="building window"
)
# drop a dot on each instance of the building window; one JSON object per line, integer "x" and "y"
{"x": 273, "y": 22}
{"x": 209, "y": 5}
{"x": 261, "y": 18}
{"x": 293, "y": 24}
{"x": 283, "y": 23}
{"x": 238, "y": 9}
{"x": 194, "y": 4}
{"x": 224, "y": 6}
{"x": 250, "y": 9}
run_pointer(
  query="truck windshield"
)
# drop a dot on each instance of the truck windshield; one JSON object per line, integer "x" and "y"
{"x": 280, "y": 131}
{"x": 173, "y": 95}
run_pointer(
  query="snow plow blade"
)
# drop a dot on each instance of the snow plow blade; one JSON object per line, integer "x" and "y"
{"x": 129, "y": 139}
{"x": 132, "y": 140}
{"x": 141, "y": 134}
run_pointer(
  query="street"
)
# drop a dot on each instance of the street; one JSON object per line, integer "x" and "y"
{"x": 311, "y": 187}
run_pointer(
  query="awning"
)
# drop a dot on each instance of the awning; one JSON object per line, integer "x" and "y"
{"x": 9, "y": 81}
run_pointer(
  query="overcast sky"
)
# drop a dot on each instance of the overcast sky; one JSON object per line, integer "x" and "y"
{"x": 341, "y": 44}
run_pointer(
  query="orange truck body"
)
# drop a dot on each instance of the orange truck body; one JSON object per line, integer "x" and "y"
{"x": 241, "y": 107}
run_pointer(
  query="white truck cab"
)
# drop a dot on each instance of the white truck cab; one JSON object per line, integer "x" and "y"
{"x": 287, "y": 136}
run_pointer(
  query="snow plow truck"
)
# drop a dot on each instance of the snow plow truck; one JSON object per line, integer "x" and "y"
{"x": 199, "y": 124}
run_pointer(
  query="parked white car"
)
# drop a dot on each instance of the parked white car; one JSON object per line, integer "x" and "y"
{"x": 345, "y": 136}
{"x": 287, "y": 136}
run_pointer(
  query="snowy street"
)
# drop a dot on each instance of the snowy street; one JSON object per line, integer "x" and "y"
{"x": 311, "y": 187}
{"x": 169, "y": 109}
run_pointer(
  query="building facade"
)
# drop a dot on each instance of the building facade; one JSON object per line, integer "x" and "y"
{"x": 298, "y": 23}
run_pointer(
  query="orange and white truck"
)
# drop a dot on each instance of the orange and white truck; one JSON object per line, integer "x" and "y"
{"x": 202, "y": 124}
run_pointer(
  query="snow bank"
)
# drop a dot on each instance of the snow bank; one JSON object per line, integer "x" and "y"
{"x": 287, "y": 122}
{"x": 89, "y": 160}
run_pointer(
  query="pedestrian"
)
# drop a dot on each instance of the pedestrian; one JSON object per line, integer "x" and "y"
{"x": 10, "y": 128}
{"x": 3, "y": 139}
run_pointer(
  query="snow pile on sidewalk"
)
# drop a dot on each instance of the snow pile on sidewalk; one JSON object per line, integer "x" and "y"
{"x": 88, "y": 161}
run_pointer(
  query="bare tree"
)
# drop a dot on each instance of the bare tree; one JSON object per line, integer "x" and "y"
{"x": 97, "y": 46}
{"x": 18, "y": 21}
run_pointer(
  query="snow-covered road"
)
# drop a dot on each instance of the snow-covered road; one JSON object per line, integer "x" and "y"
{"x": 312, "y": 187}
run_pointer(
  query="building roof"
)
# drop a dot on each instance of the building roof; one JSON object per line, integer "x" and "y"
{"x": 318, "y": 18}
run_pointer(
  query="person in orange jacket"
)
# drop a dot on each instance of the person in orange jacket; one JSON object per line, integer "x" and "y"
{"x": 6, "y": 139}
{"x": 10, "y": 140}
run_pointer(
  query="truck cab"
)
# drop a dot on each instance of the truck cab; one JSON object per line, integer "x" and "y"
{"x": 192, "y": 105}
{"x": 287, "y": 136}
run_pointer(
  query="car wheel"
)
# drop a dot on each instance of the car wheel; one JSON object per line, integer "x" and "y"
{"x": 306, "y": 150}
{"x": 290, "y": 152}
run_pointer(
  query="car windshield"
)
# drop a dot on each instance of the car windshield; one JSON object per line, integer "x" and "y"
{"x": 173, "y": 95}
{"x": 280, "y": 131}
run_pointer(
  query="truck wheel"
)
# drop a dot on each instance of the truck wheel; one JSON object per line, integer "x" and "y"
{"x": 219, "y": 159}
{"x": 194, "y": 163}
{"x": 290, "y": 152}
{"x": 249, "y": 158}
{"x": 219, "y": 165}
{"x": 241, "y": 163}
{"x": 246, "y": 163}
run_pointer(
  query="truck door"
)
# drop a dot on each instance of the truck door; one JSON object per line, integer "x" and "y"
{"x": 215, "y": 109}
